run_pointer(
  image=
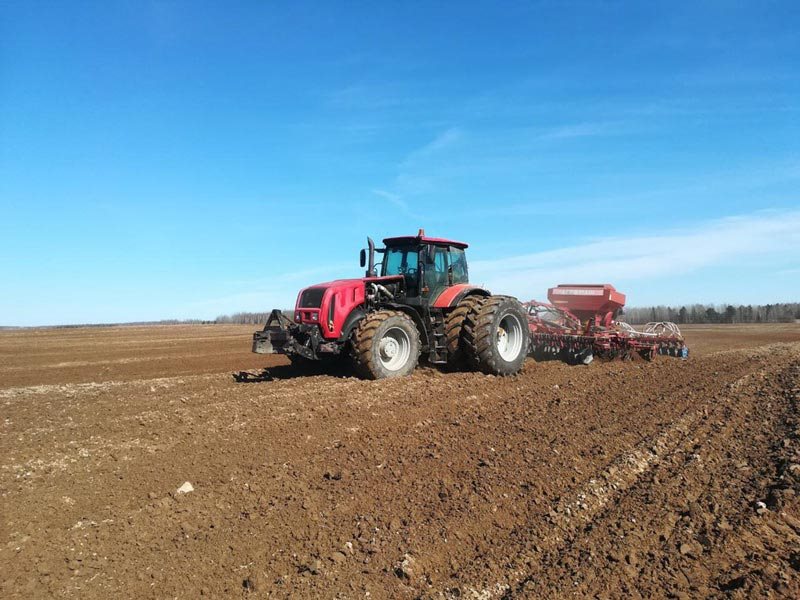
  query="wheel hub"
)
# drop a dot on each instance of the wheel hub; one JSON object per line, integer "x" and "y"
{"x": 394, "y": 349}
{"x": 388, "y": 347}
{"x": 510, "y": 337}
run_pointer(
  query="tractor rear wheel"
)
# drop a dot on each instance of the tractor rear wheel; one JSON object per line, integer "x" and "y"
{"x": 496, "y": 336}
{"x": 385, "y": 344}
{"x": 454, "y": 331}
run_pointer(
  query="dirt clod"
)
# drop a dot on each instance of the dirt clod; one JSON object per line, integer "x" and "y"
{"x": 405, "y": 568}
{"x": 185, "y": 488}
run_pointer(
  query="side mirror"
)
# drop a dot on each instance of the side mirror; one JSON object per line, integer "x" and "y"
{"x": 363, "y": 258}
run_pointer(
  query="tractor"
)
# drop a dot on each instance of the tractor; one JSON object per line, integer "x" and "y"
{"x": 416, "y": 301}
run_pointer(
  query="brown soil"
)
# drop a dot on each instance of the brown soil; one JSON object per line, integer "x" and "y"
{"x": 612, "y": 480}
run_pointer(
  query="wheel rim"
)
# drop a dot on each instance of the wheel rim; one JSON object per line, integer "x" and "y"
{"x": 394, "y": 349}
{"x": 509, "y": 338}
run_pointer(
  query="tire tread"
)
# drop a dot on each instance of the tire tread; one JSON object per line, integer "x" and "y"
{"x": 478, "y": 337}
{"x": 364, "y": 338}
{"x": 454, "y": 330}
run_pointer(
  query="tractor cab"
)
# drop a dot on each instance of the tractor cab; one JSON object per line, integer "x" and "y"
{"x": 428, "y": 265}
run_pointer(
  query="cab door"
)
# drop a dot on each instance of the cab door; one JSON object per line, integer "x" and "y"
{"x": 436, "y": 272}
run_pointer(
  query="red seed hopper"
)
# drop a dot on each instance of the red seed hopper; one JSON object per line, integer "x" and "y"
{"x": 598, "y": 303}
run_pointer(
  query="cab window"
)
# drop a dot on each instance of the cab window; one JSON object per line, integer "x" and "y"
{"x": 458, "y": 262}
{"x": 436, "y": 269}
{"x": 440, "y": 260}
{"x": 400, "y": 261}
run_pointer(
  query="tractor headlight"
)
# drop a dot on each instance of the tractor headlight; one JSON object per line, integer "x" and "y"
{"x": 315, "y": 316}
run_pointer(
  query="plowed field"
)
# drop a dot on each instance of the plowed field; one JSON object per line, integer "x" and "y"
{"x": 664, "y": 479}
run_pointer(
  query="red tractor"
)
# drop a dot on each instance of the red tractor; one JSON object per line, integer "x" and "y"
{"x": 420, "y": 303}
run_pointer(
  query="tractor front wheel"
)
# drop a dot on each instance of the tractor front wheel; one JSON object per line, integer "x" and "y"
{"x": 385, "y": 344}
{"x": 496, "y": 336}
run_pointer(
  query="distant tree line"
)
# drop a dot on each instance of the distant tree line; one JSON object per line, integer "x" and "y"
{"x": 243, "y": 318}
{"x": 249, "y": 318}
{"x": 124, "y": 324}
{"x": 715, "y": 313}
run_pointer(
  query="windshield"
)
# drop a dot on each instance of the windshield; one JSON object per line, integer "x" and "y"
{"x": 400, "y": 261}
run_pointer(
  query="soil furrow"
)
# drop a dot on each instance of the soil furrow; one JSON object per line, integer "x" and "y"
{"x": 618, "y": 478}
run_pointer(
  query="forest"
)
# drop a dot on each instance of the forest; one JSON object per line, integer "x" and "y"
{"x": 786, "y": 312}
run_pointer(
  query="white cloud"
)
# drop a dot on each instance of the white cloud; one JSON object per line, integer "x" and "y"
{"x": 397, "y": 201}
{"x": 768, "y": 237}
{"x": 414, "y": 175}
{"x": 581, "y": 130}
{"x": 722, "y": 242}
{"x": 261, "y": 295}
{"x": 444, "y": 140}
{"x": 392, "y": 198}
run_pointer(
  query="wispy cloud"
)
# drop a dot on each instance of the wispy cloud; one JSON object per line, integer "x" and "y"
{"x": 414, "y": 171}
{"x": 260, "y": 295}
{"x": 582, "y": 130}
{"x": 377, "y": 97}
{"x": 721, "y": 242}
{"x": 397, "y": 201}
{"x": 446, "y": 139}
{"x": 683, "y": 191}
{"x": 393, "y": 198}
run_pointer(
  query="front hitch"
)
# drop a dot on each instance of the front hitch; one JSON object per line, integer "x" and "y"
{"x": 283, "y": 336}
{"x": 275, "y": 336}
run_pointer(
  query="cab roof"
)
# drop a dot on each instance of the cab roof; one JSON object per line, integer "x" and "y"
{"x": 421, "y": 238}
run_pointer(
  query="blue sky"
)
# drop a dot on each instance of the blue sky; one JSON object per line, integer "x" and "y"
{"x": 174, "y": 160}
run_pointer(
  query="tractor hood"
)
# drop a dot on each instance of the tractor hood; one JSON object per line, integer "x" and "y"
{"x": 307, "y": 297}
{"x": 329, "y": 304}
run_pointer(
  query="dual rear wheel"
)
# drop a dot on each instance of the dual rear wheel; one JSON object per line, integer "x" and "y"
{"x": 482, "y": 334}
{"x": 495, "y": 336}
